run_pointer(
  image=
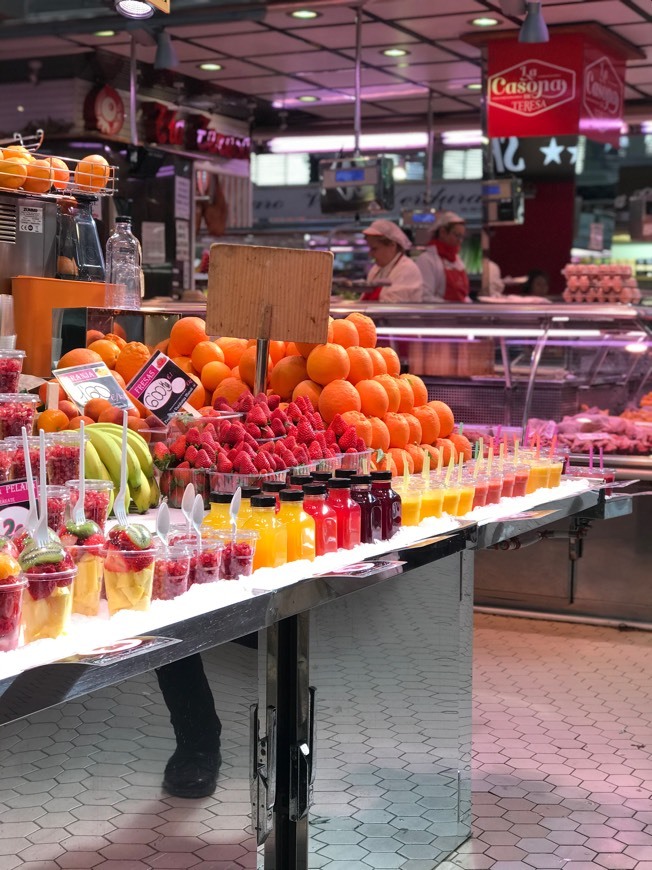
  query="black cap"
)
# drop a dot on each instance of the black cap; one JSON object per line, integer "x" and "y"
{"x": 273, "y": 486}
{"x": 123, "y": 219}
{"x": 221, "y": 497}
{"x": 267, "y": 501}
{"x": 343, "y": 472}
{"x": 339, "y": 483}
{"x": 315, "y": 489}
{"x": 300, "y": 479}
{"x": 381, "y": 475}
{"x": 249, "y": 491}
{"x": 291, "y": 495}
{"x": 361, "y": 478}
{"x": 321, "y": 475}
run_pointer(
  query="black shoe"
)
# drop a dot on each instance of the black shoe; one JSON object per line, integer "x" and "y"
{"x": 192, "y": 774}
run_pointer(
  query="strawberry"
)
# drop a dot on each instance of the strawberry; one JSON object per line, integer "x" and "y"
{"x": 360, "y": 446}
{"x": 261, "y": 462}
{"x": 301, "y": 455}
{"x": 220, "y": 404}
{"x": 183, "y": 465}
{"x": 305, "y": 432}
{"x": 223, "y": 464}
{"x": 273, "y": 402}
{"x": 317, "y": 422}
{"x": 278, "y": 414}
{"x": 208, "y": 440}
{"x": 330, "y": 437}
{"x": 258, "y": 416}
{"x": 260, "y": 399}
{"x": 246, "y": 403}
{"x": 203, "y": 460}
{"x": 210, "y": 452}
{"x": 246, "y": 466}
{"x": 277, "y": 427}
{"x": 290, "y": 442}
{"x": 250, "y": 441}
{"x": 338, "y": 425}
{"x": 191, "y": 454}
{"x": 210, "y": 431}
{"x": 178, "y": 447}
{"x": 294, "y": 412}
{"x": 348, "y": 439}
{"x": 266, "y": 432}
{"x": 253, "y": 430}
{"x": 302, "y": 404}
{"x": 162, "y": 456}
{"x": 315, "y": 451}
{"x": 193, "y": 436}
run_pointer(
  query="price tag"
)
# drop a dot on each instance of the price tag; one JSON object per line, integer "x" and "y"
{"x": 92, "y": 381}
{"x": 119, "y": 651}
{"x": 14, "y": 507}
{"x": 161, "y": 386}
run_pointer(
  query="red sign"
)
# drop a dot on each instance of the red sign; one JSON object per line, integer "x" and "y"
{"x": 603, "y": 99}
{"x": 191, "y": 131}
{"x": 104, "y": 110}
{"x": 532, "y": 87}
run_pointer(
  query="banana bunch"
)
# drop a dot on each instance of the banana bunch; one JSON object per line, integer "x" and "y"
{"x": 103, "y": 453}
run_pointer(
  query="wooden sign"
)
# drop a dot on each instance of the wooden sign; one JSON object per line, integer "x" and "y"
{"x": 161, "y": 5}
{"x": 278, "y": 293}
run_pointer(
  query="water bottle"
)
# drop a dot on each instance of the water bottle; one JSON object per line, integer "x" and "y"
{"x": 123, "y": 267}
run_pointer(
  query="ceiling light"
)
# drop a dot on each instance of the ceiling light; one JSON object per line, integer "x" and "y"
{"x": 474, "y": 86}
{"x": 346, "y": 142}
{"x": 394, "y": 52}
{"x": 462, "y": 137}
{"x": 104, "y": 33}
{"x": 134, "y": 8}
{"x": 304, "y": 14}
{"x": 534, "y": 28}
{"x": 308, "y": 98}
{"x": 483, "y": 21}
{"x": 211, "y": 67}
{"x": 20, "y": 108}
{"x": 166, "y": 56}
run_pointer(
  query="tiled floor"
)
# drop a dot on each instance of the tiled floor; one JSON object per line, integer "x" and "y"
{"x": 563, "y": 765}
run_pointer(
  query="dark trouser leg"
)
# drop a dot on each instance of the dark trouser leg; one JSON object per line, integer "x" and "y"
{"x": 189, "y": 699}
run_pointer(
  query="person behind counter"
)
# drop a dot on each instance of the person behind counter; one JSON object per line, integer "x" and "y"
{"x": 388, "y": 245}
{"x": 442, "y": 270}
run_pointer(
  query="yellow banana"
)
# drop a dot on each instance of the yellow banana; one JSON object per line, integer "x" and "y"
{"x": 154, "y": 492}
{"x": 134, "y": 472}
{"x": 136, "y": 442}
{"x": 94, "y": 467}
{"x": 109, "y": 447}
{"x": 140, "y": 496}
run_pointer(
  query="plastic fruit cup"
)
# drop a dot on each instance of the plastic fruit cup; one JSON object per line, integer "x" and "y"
{"x": 17, "y": 410}
{"x": 18, "y": 464}
{"x": 556, "y": 469}
{"x": 451, "y": 499}
{"x": 47, "y": 604}
{"x": 11, "y": 607}
{"x": 57, "y": 497}
{"x": 521, "y": 478}
{"x": 507, "y": 490}
{"x": 539, "y": 475}
{"x": 63, "y": 457}
{"x": 238, "y": 553}
{"x": 128, "y": 578}
{"x": 7, "y": 454}
{"x": 204, "y": 565}
{"x": 171, "y": 572}
{"x": 11, "y": 366}
{"x": 608, "y": 475}
{"x": 87, "y": 589}
{"x": 96, "y": 499}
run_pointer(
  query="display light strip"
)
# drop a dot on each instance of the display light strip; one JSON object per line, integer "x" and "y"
{"x": 333, "y": 144}
{"x": 483, "y": 332}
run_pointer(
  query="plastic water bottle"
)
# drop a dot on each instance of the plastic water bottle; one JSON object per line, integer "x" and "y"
{"x": 123, "y": 267}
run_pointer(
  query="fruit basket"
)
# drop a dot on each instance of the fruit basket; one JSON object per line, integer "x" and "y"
{"x": 221, "y": 481}
{"x": 173, "y": 482}
{"x": 358, "y": 463}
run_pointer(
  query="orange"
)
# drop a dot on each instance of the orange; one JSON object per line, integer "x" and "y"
{"x": 119, "y": 379}
{"x": 366, "y": 328}
{"x": 417, "y": 457}
{"x": 390, "y": 385}
{"x": 75, "y": 423}
{"x": 132, "y": 358}
{"x": 13, "y": 172}
{"x": 140, "y": 409}
{"x": 434, "y": 454}
{"x": 362, "y": 425}
{"x": 399, "y": 429}
{"x": 230, "y": 389}
{"x": 213, "y": 374}
{"x": 277, "y": 350}
{"x": 337, "y": 397}
{"x": 407, "y": 396}
{"x": 415, "y": 428}
{"x": 373, "y": 398}
{"x": 93, "y": 335}
{"x": 462, "y": 445}
{"x": 305, "y": 348}
{"x": 402, "y": 460}
{"x": 186, "y": 334}
{"x": 386, "y": 463}
{"x": 162, "y": 346}
{"x": 81, "y": 356}
{"x": 379, "y": 434}
{"x": 205, "y": 352}
{"x": 69, "y": 409}
{"x": 184, "y": 363}
{"x": 247, "y": 366}
{"x": 236, "y": 372}
{"x": 112, "y": 415}
{"x": 361, "y": 366}
{"x": 310, "y": 390}
{"x": 197, "y": 398}
{"x": 52, "y": 420}
{"x": 38, "y": 177}
{"x": 328, "y": 362}
{"x": 419, "y": 389}
{"x": 20, "y": 151}
{"x": 291, "y": 349}
{"x": 116, "y": 339}
{"x": 92, "y": 172}
{"x": 378, "y": 361}
{"x": 42, "y": 391}
{"x": 119, "y": 330}
{"x": 107, "y": 350}
{"x": 447, "y": 449}
{"x": 345, "y": 334}
{"x": 446, "y": 417}
{"x": 232, "y": 348}
{"x": 286, "y": 375}
{"x": 94, "y": 408}
{"x": 59, "y": 172}
{"x": 392, "y": 361}
{"x": 430, "y": 425}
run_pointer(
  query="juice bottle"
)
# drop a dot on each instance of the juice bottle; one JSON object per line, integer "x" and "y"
{"x": 218, "y": 517}
{"x": 390, "y": 502}
{"x": 344, "y": 473}
{"x": 432, "y": 501}
{"x": 370, "y": 510}
{"x": 298, "y": 481}
{"x": 321, "y": 476}
{"x": 300, "y": 526}
{"x": 349, "y": 516}
{"x": 274, "y": 487}
{"x": 272, "y": 545}
{"x": 246, "y": 494}
{"x": 314, "y": 504}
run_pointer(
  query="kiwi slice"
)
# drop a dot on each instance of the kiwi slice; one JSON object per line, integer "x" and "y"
{"x": 50, "y": 555}
{"x": 82, "y": 530}
{"x": 138, "y": 535}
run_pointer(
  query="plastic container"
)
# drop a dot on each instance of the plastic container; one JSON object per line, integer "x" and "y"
{"x": 180, "y": 423}
{"x": 509, "y": 480}
{"x": 17, "y": 410}
{"x": 229, "y": 482}
{"x": 11, "y": 609}
{"x": 371, "y": 519}
{"x": 272, "y": 544}
{"x": 204, "y": 560}
{"x": 97, "y": 499}
{"x": 432, "y": 501}
{"x": 390, "y": 501}
{"x": 47, "y": 604}
{"x": 62, "y": 458}
{"x": 481, "y": 483}
{"x": 539, "y": 475}
{"x": 11, "y": 366}
{"x": 7, "y": 454}
{"x": 494, "y": 487}
{"x": 174, "y": 481}
{"x": 299, "y": 525}
{"x": 171, "y": 571}
{"x": 358, "y": 463}
{"x": 219, "y": 516}
{"x": 521, "y": 477}
{"x": 314, "y": 504}
{"x": 123, "y": 267}
{"x": 410, "y": 501}
{"x": 238, "y": 554}
{"x": 451, "y": 499}
{"x": 349, "y": 515}
{"x": 87, "y": 588}
{"x": 128, "y": 578}
{"x": 58, "y": 499}
{"x": 467, "y": 496}
{"x": 18, "y": 463}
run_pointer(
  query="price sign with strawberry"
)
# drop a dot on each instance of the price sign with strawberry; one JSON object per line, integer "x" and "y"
{"x": 162, "y": 387}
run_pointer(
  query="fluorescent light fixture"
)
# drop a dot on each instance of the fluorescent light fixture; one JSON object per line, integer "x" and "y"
{"x": 334, "y": 144}
{"x": 636, "y": 347}
{"x": 474, "y": 86}
{"x": 394, "y": 52}
{"x": 646, "y": 127}
{"x": 166, "y": 56}
{"x": 20, "y": 108}
{"x": 462, "y": 137}
{"x": 105, "y": 34}
{"x": 308, "y": 98}
{"x": 484, "y": 21}
{"x": 399, "y": 173}
{"x": 304, "y": 14}
{"x": 483, "y": 332}
{"x": 138, "y": 9}
{"x": 534, "y": 28}
{"x": 211, "y": 67}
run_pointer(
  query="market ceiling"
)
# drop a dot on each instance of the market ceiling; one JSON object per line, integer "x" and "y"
{"x": 264, "y": 53}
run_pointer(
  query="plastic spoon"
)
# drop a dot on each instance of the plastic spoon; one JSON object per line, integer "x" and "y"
{"x": 197, "y": 517}
{"x": 119, "y": 507}
{"x": 163, "y": 523}
{"x": 32, "y": 516}
{"x": 234, "y": 509}
{"x": 41, "y": 532}
{"x": 78, "y": 513}
{"x": 187, "y": 502}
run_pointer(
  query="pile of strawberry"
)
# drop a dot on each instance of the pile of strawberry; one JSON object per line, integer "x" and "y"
{"x": 269, "y": 438}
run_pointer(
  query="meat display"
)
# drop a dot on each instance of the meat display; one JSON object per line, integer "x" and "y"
{"x": 596, "y": 427}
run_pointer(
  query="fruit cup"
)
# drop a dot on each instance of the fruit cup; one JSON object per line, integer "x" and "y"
{"x": 97, "y": 499}
{"x": 63, "y": 457}
{"x": 451, "y": 499}
{"x": 47, "y": 603}
{"x": 204, "y": 564}
{"x": 494, "y": 487}
{"x": 18, "y": 461}
{"x": 128, "y": 578}
{"x": 175, "y": 480}
{"x": 17, "y": 410}
{"x": 467, "y": 496}
{"x": 11, "y": 366}
{"x": 57, "y": 497}
{"x": 7, "y": 454}
{"x": 12, "y": 585}
{"x": 521, "y": 478}
{"x": 171, "y": 571}
{"x": 238, "y": 553}
{"x": 87, "y": 589}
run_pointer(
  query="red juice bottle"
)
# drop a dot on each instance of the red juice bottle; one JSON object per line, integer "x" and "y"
{"x": 390, "y": 503}
{"x": 314, "y": 504}
{"x": 348, "y": 512}
{"x": 371, "y": 511}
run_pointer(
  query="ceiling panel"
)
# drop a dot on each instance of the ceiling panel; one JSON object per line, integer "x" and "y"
{"x": 443, "y": 73}
{"x": 418, "y": 53}
{"x": 303, "y": 62}
{"x": 416, "y": 8}
{"x": 447, "y": 28}
{"x": 232, "y": 68}
{"x": 264, "y": 85}
{"x": 328, "y": 15}
{"x": 252, "y": 44}
{"x": 637, "y": 34}
{"x": 344, "y": 35}
{"x": 640, "y": 75}
{"x": 345, "y": 112}
{"x": 188, "y": 31}
{"x": 45, "y": 46}
{"x": 420, "y": 107}
{"x": 100, "y": 41}
{"x": 606, "y": 12}
{"x": 344, "y": 78}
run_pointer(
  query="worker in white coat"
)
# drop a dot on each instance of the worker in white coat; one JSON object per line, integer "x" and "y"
{"x": 442, "y": 270}
{"x": 388, "y": 246}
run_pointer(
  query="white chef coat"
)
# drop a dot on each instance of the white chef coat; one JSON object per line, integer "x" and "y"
{"x": 407, "y": 283}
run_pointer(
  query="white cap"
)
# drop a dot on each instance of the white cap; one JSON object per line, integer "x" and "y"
{"x": 444, "y": 218}
{"x": 389, "y": 230}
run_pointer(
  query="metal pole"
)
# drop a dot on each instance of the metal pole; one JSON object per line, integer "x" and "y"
{"x": 357, "y": 119}
{"x": 133, "y": 85}
{"x": 429, "y": 151}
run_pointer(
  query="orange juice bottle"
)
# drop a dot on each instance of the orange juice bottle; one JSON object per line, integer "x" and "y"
{"x": 272, "y": 546}
{"x": 218, "y": 517}
{"x": 246, "y": 495}
{"x": 300, "y": 526}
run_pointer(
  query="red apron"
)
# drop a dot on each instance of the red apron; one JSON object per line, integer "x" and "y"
{"x": 457, "y": 281}
{"x": 373, "y": 295}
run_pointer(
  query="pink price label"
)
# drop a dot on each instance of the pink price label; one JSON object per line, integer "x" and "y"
{"x": 161, "y": 386}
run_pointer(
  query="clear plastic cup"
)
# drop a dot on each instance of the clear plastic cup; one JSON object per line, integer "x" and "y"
{"x": 238, "y": 553}
{"x": 467, "y": 495}
{"x": 128, "y": 578}
{"x": 17, "y": 410}
{"x": 18, "y": 463}
{"x": 521, "y": 478}
{"x": 494, "y": 487}
{"x": 63, "y": 457}
{"x": 87, "y": 588}
{"x": 451, "y": 499}
{"x": 97, "y": 498}
{"x": 171, "y": 572}
{"x": 481, "y": 483}
{"x": 47, "y": 604}
{"x": 11, "y": 608}
{"x": 11, "y": 367}
{"x": 204, "y": 564}
{"x": 432, "y": 501}
{"x": 507, "y": 490}
{"x": 58, "y": 500}
{"x": 7, "y": 454}
{"x": 411, "y": 496}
